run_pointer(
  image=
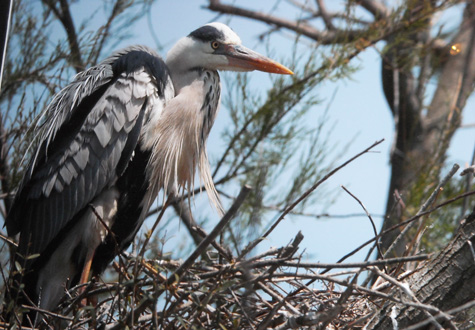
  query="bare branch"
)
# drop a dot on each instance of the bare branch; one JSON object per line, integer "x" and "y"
{"x": 323, "y": 37}
{"x": 325, "y": 16}
{"x": 305, "y": 195}
{"x": 376, "y": 8}
{"x": 212, "y": 236}
{"x": 63, "y": 13}
{"x": 369, "y": 217}
{"x": 424, "y": 207}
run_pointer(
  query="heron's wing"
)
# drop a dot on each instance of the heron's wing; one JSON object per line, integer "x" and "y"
{"x": 89, "y": 134}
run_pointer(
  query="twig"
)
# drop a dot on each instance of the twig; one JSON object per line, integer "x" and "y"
{"x": 277, "y": 297}
{"x": 212, "y": 236}
{"x": 149, "y": 234}
{"x": 407, "y": 290}
{"x": 458, "y": 309}
{"x": 285, "y": 276}
{"x": 243, "y": 309}
{"x": 46, "y": 312}
{"x": 376, "y": 8}
{"x": 375, "y": 231}
{"x": 134, "y": 314}
{"x": 324, "y": 37}
{"x": 263, "y": 325}
{"x": 379, "y": 262}
{"x": 424, "y": 206}
{"x": 289, "y": 251}
{"x": 287, "y": 210}
{"x": 438, "y": 206}
{"x": 469, "y": 172}
{"x": 8, "y": 240}
{"x": 304, "y": 320}
{"x": 340, "y": 305}
{"x": 222, "y": 251}
{"x": 325, "y": 16}
{"x": 316, "y": 185}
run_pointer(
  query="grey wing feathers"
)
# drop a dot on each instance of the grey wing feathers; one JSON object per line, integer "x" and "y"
{"x": 78, "y": 159}
{"x": 67, "y": 100}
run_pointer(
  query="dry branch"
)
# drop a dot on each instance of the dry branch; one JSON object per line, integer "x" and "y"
{"x": 268, "y": 290}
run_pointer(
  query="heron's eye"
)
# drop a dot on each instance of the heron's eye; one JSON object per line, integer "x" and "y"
{"x": 214, "y": 44}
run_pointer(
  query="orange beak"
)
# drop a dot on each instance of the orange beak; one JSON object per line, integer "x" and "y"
{"x": 245, "y": 59}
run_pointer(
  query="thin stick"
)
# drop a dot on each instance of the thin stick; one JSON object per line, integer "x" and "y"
{"x": 377, "y": 242}
{"x": 379, "y": 262}
{"x": 245, "y": 190}
{"x": 249, "y": 321}
{"x": 407, "y": 290}
{"x": 160, "y": 216}
{"x": 424, "y": 207}
{"x": 411, "y": 219}
{"x": 8, "y": 240}
{"x": 144, "y": 304}
{"x": 46, "y": 312}
{"x": 307, "y": 265}
{"x": 288, "y": 209}
{"x": 468, "y": 183}
{"x": 222, "y": 251}
{"x": 455, "y": 310}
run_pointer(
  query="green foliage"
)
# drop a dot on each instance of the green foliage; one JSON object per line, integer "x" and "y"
{"x": 442, "y": 225}
{"x": 272, "y": 144}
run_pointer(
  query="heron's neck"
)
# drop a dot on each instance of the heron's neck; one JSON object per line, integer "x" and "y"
{"x": 183, "y": 129}
{"x": 200, "y": 89}
{"x": 184, "y": 78}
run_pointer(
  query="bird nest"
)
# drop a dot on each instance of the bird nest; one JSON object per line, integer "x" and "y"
{"x": 275, "y": 289}
{"x": 216, "y": 289}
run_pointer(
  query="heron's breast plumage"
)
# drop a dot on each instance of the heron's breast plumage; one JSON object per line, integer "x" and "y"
{"x": 181, "y": 134}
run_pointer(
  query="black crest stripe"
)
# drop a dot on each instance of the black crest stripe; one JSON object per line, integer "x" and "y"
{"x": 207, "y": 33}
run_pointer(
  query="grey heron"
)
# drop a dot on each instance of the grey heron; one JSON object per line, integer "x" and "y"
{"x": 108, "y": 142}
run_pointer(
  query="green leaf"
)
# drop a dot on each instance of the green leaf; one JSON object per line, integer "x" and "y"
{"x": 33, "y": 256}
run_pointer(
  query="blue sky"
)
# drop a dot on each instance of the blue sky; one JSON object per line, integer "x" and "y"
{"x": 358, "y": 109}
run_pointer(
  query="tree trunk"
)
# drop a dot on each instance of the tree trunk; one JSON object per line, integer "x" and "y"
{"x": 422, "y": 140}
{"x": 446, "y": 282}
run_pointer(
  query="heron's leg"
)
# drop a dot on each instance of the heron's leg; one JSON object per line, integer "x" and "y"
{"x": 85, "y": 273}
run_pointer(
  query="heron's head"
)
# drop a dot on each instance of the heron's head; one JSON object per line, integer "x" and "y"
{"x": 215, "y": 46}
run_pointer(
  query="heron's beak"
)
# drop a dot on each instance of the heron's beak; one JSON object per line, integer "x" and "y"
{"x": 245, "y": 59}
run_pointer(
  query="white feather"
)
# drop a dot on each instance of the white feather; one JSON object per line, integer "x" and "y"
{"x": 178, "y": 149}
